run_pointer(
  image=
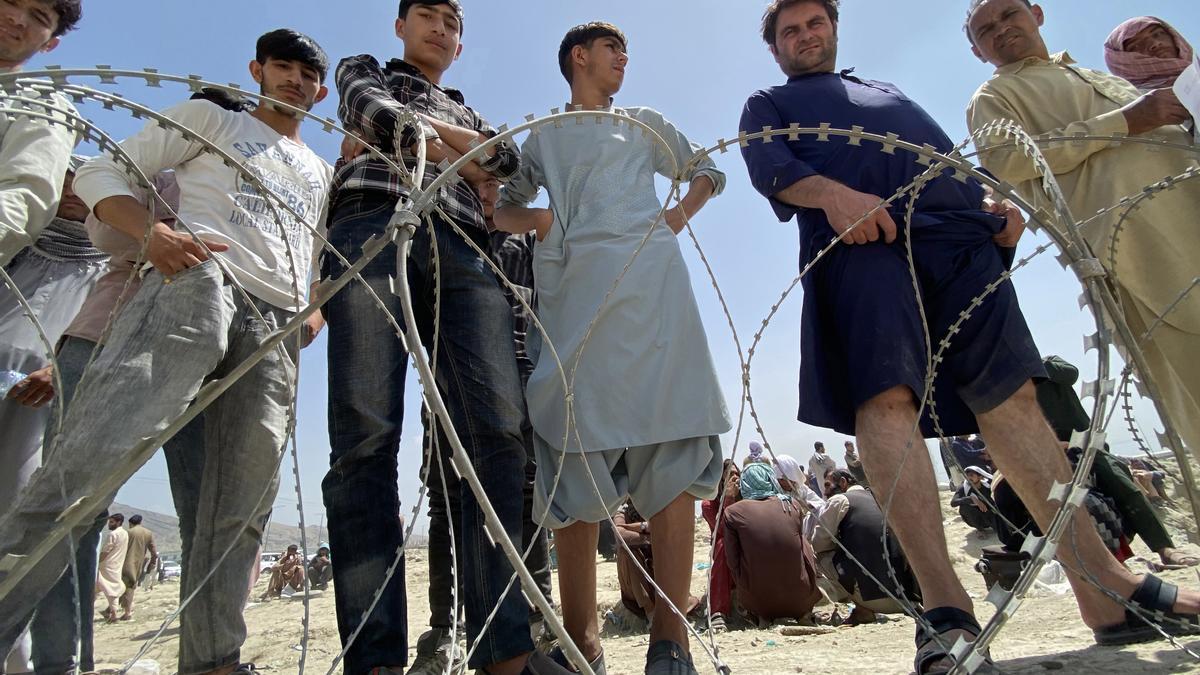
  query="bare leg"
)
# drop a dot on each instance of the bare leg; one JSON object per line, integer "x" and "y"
{"x": 576, "y": 545}
{"x": 127, "y": 603}
{"x": 1027, "y": 452}
{"x": 886, "y": 428}
{"x": 1146, "y": 484}
{"x": 671, "y": 535}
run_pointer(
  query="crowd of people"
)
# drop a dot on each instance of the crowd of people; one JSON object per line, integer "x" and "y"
{"x": 152, "y": 290}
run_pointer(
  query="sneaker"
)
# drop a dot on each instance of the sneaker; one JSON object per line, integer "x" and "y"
{"x": 544, "y": 639}
{"x": 434, "y": 654}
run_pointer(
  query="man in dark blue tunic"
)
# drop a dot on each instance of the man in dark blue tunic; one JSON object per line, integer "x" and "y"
{"x": 864, "y": 353}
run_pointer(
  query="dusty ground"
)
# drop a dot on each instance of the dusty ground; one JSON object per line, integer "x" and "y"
{"x": 1045, "y": 635}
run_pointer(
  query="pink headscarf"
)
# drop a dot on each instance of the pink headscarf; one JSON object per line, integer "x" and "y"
{"x": 1145, "y": 72}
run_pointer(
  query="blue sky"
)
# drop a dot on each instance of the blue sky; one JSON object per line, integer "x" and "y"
{"x": 694, "y": 60}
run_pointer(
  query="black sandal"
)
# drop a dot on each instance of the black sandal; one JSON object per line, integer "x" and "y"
{"x": 932, "y": 657}
{"x": 1155, "y": 598}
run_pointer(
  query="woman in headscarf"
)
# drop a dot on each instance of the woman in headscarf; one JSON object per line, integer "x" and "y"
{"x": 1147, "y": 52}
{"x": 771, "y": 561}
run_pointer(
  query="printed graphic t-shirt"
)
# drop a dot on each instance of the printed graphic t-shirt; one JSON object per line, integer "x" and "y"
{"x": 222, "y": 203}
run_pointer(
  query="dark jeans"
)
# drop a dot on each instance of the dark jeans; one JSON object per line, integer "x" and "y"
{"x": 477, "y": 376}
{"x": 441, "y": 569}
{"x": 64, "y": 618}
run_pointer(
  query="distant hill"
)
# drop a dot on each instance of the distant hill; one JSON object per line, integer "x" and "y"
{"x": 279, "y": 536}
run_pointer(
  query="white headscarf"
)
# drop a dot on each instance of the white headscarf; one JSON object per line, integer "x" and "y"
{"x": 787, "y": 467}
{"x": 987, "y": 477}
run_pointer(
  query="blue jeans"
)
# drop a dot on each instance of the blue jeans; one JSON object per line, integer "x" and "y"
{"x": 477, "y": 376}
{"x": 445, "y": 508}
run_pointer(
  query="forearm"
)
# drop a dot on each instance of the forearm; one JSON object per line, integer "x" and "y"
{"x": 438, "y": 150}
{"x": 809, "y": 193}
{"x": 460, "y": 138}
{"x": 516, "y": 219}
{"x": 126, "y": 214}
{"x": 698, "y": 194}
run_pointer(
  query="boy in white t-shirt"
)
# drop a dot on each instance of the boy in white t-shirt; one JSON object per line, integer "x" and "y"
{"x": 188, "y": 324}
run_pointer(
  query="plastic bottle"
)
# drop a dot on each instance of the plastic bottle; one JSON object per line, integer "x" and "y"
{"x": 9, "y": 379}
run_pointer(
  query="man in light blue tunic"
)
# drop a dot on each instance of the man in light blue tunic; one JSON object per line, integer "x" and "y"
{"x": 635, "y": 410}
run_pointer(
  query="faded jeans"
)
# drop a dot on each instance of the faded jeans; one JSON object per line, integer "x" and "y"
{"x": 477, "y": 375}
{"x": 170, "y": 339}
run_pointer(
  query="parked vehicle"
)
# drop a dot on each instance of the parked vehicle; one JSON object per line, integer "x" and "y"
{"x": 170, "y": 570}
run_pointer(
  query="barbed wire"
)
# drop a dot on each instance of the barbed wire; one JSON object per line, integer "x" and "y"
{"x": 414, "y": 213}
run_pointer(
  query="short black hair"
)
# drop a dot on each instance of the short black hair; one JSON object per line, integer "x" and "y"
{"x": 455, "y": 5}
{"x": 770, "y": 19}
{"x": 69, "y": 13}
{"x": 135, "y": 519}
{"x": 838, "y": 475}
{"x": 974, "y": 5}
{"x": 119, "y": 517}
{"x": 584, "y": 35}
{"x": 818, "y": 444}
{"x": 286, "y": 44}
{"x": 221, "y": 97}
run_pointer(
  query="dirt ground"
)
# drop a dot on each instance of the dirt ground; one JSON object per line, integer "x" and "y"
{"x": 1045, "y": 635}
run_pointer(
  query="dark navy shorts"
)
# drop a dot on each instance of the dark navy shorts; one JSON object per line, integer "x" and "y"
{"x": 862, "y": 334}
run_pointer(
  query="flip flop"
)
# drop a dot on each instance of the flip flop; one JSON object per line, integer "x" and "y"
{"x": 1155, "y": 598}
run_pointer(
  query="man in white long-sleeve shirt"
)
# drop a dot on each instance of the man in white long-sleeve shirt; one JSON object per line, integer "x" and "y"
{"x": 189, "y": 323}
{"x": 34, "y": 152}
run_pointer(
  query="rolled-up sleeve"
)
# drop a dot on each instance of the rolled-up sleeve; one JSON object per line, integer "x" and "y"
{"x": 680, "y": 159}
{"x": 34, "y": 156}
{"x": 772, "y": 166}
{"x": 523, "y": 185}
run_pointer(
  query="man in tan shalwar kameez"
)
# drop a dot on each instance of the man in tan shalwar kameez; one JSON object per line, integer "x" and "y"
{"x": 1156, "y": 255}
{"x": 141, "y": 549}
{"x": 112, "y": 560}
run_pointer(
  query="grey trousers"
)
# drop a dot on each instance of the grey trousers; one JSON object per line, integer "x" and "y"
{"x": 173, "y": 336}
